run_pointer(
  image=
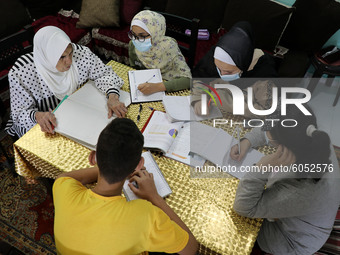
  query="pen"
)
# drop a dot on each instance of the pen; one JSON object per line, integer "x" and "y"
{"x": 238, "y": 138}
{"x": 50, "y": 110}
{"x": 150, "y": 78}
{"x": 139, "y": 111}
{"x": 151, "y": 108}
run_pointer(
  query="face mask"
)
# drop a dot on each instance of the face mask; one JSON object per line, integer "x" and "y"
{"x": 266, "y": 137}
{"x": 230, "y": 77}
{"x": 142, "y": 46}
{"x": 269, "y": 141}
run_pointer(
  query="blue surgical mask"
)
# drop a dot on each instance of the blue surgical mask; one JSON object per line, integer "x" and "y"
{"x": 228, "y": 77}
{"x": 142, "y": 46}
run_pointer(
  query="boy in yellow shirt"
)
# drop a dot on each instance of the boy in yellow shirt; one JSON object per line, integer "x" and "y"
{"x": 100, "y": 220}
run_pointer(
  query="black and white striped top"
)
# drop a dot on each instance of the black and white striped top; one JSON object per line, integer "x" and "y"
{"x": 29, "y": 93}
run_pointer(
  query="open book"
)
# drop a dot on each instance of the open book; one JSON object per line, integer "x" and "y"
{"x": 151, "y": 166}
{"x": 143, "y": 76}
{"x": 173, "y": 139}
{"x": 214, "y": 144}
{"x": 179, "y": 109}
{"x": 83, "y": 115}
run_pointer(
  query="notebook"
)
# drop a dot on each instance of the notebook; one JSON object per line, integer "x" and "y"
{"x": 172, "y": 139}
{"x": 137, "y": 77}
{"x": 151, "y": 166}
{"x": 83, "y": 115}
{"x": 179, "y": 108}
{"x": 214, "y": 144}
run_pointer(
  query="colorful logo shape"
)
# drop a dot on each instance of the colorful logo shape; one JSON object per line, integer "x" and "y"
{"x": 203, "y": 97}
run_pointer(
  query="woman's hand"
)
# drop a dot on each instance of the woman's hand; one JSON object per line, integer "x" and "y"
{"x": 150, "y": 88}
{"x": 244, "y": 147}
{"x": 282, "y": 157}
{"x": 47, "y": 121}
{"x": 116, "y": 107}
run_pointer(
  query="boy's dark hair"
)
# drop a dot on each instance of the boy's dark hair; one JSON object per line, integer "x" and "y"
{"x": 119, "y": 149}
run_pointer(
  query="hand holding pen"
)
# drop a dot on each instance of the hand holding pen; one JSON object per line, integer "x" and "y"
{"x": 47, "y": 121}
{"x": 148, "y": 88}
{"x": 238, "y": 151}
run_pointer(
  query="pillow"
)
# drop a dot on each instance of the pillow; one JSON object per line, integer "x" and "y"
{"x": 13, "y": 17}
{"x": 313, "y": 23}
{"x": 128, "y": 9}
{"x": 103, "y": 13}
{"x": 210, "y": 15}
{"x": 41, "y": 8}
{"x": 268, "y": 19}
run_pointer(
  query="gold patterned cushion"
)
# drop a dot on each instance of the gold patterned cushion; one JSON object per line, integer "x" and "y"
{"x": 103, "y": 13}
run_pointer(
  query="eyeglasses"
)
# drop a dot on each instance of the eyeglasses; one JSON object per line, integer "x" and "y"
{"x": 140, "y": 38}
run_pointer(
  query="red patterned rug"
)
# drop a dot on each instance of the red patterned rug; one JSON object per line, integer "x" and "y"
{"x": 26, "y": 212}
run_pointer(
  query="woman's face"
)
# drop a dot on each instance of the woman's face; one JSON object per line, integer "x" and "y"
{"x": 139, "y": 32}
{"x": 226, "y": 69}
{"x": 65, "y": 60}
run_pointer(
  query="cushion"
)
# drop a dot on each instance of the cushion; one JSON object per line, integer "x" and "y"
{"x": 336, "y": 226}
{"x": 332, "y": 245}
{"x": 128, "y": 9}
{"x": 41, "y": 8}
{"x": 103, "y": 13}
{"x": 313, "y": 23}
{"x": 268, "y": 19}
{"x": 112, "y": 43}
{"x": 210, "y": 15}
{"x": 66, "y": 21}
{"x": 13, "y": 17}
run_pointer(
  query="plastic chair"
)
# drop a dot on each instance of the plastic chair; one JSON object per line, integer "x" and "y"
{"x": 175, "y": 28}
{"x": 327, "y": 61}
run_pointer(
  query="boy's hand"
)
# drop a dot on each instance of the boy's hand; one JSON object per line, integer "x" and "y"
{"x": 146, "y": 185}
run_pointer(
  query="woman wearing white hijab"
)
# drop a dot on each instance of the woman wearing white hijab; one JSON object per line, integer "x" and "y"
{"x": 56, "y": 68}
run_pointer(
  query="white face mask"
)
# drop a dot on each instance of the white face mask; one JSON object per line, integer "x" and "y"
{"x": 142, "y": 46}
{"x": 228, "y": 77}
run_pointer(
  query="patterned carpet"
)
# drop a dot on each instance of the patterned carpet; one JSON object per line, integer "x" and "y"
{"x": 26, "y": 211}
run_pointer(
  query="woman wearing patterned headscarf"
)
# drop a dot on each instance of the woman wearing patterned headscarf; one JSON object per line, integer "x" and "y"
{"x": 150, "y": 48}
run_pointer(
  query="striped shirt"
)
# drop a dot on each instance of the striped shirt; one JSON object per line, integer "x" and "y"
{"x": 30, "y": 94}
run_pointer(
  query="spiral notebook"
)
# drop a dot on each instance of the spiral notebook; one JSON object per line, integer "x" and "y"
{"x": 138, "y": 77}
{"x": 151, "y": 166}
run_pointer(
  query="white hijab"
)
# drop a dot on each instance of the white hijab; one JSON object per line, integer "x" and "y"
{"x": 49, "y": 44}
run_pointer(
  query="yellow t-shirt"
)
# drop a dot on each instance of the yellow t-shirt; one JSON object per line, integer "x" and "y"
{"x": 87, "y": 223}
